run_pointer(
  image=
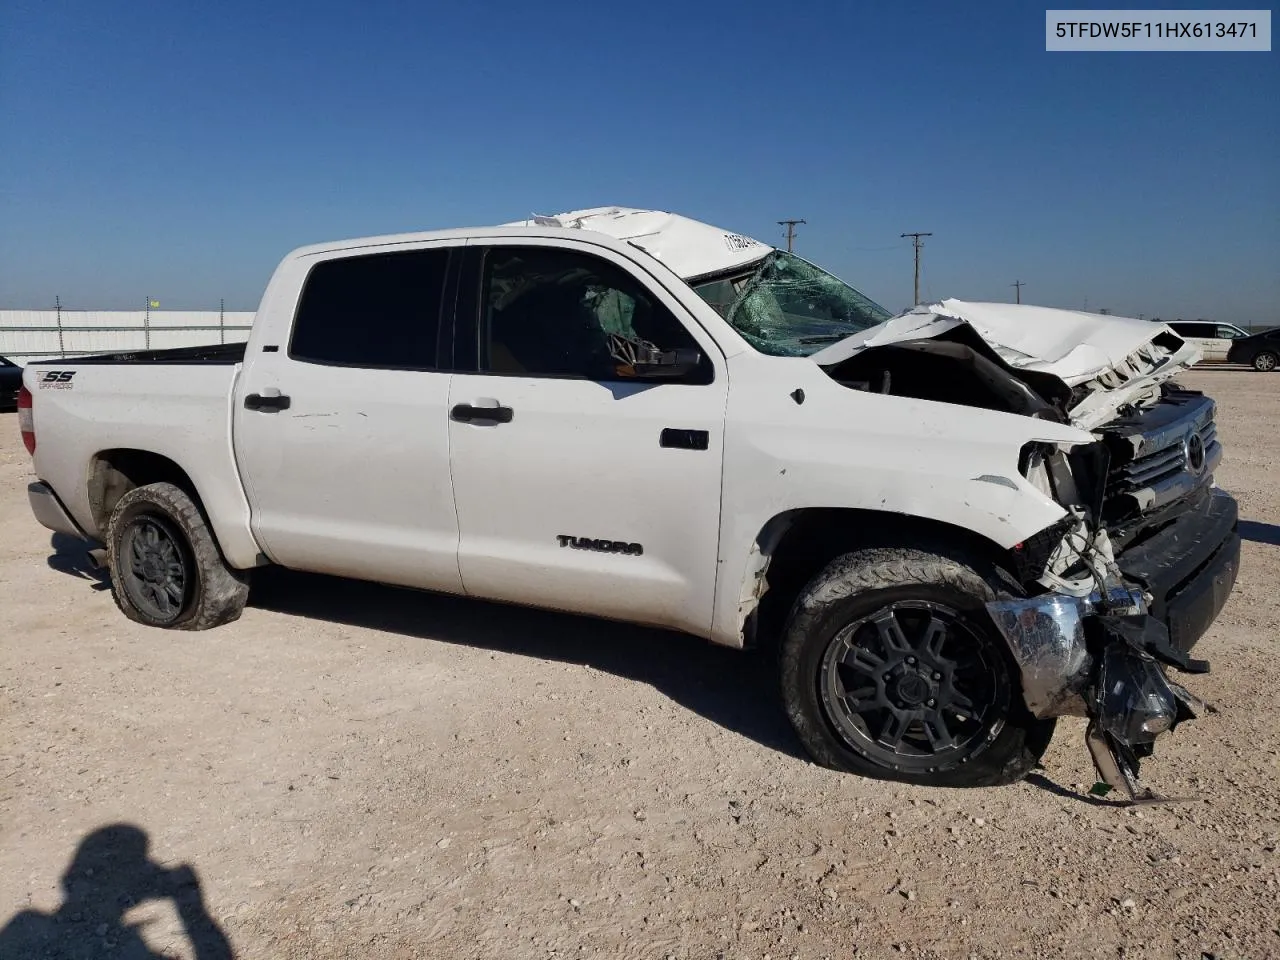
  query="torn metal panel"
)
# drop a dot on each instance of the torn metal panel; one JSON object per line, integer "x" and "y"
{"x": 1074, "y": 346}
{"x": 1103, "y": 362}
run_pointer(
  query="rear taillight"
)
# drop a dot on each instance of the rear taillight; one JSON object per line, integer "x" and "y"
{"x": 26, "y": 422}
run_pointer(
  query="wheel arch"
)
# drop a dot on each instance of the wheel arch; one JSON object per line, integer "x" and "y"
{"x": 113, "y": 473}
{"x": 793, "y": 546}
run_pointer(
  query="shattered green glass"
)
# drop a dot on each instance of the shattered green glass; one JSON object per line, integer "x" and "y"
{"x": 786, "y": 306}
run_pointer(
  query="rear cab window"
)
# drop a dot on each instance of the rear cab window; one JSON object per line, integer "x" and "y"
{"x": 381, "y": 310}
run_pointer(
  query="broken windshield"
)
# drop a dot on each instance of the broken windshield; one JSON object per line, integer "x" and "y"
{"x": 787, "y": 307}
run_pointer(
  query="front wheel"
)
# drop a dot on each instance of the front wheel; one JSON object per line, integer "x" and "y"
{"x": 892, "y": 669}
{"x": 1264, "y": 362}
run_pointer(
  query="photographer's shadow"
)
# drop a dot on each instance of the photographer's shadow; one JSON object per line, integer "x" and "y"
{"x": 110, "y": 874}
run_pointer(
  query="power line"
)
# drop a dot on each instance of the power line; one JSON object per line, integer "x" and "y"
{"x": 1017, "y": 285}
{"x": 918, "y": 244}
{"x": 791, "y": 231}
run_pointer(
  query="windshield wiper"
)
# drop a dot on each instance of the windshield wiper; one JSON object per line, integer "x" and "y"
{"x": 825, "y": 338}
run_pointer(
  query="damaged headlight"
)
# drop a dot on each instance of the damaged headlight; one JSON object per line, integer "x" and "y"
{"x": 1135, "y": 703}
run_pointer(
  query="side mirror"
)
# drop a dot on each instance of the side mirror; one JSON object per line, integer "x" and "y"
{"x": 670, "y": 365}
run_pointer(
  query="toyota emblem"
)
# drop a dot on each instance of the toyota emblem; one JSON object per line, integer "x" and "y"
{"x": 1194, "y": 449}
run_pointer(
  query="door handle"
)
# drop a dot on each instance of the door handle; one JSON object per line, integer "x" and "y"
{"x": 268, "y": 404}
{"x": 684, "y": 439}
{"x": 466, "y": 413}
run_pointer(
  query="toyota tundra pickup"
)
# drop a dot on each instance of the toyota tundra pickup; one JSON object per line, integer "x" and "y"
{"x": 954, "y": 525}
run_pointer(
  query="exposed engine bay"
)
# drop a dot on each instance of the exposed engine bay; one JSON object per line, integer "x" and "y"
{"x": 1114, "y": 594}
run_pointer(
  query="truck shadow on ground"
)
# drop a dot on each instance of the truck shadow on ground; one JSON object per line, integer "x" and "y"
{"x": 1258, "y": 532}
{"x": 732, "y": 688}
{"x": 110, "y": 873}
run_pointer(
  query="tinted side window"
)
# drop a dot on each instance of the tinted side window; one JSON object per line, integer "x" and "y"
{"x": 379, "y": 310}
{"x": 561, "y": 313}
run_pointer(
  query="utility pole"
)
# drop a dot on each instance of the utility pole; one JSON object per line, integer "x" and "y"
{"x": 917, "y": 243}
{"x": 1017, "y": 285}
{"x": 791, "y": 231}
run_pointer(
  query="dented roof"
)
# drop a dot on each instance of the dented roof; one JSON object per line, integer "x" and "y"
{"x": 690, "y": 248}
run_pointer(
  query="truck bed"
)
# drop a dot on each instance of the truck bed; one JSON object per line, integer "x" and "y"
{"x": 223, "y": 354}
{"x": 172, "y": 404}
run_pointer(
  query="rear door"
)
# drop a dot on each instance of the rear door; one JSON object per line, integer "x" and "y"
{"x": 343, "y": 434}
{"x": 586, "y": 488}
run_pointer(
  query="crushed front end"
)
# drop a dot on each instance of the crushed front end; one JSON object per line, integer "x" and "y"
{"x": 1121, "y": 589}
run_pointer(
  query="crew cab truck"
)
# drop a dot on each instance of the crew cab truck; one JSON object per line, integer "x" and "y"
{"x": 955, "y": 524}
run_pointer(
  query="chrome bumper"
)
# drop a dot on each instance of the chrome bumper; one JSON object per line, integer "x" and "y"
{"x": 49, "y": 511}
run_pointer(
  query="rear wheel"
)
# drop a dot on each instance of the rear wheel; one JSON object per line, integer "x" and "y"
{"x": 1265, "y": 361}
{"x": 166, "y": 569}
{"x": 891, "y": 668}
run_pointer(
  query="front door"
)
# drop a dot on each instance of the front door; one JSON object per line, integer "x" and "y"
{"x": 579, "y": 486}
{"x": 342, "y": 433}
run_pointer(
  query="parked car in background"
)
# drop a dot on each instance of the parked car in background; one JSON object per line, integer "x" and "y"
{"x": 1213, "y": 339}
{"x": 10, "y": 382}
{"x": 1260, "y": 351}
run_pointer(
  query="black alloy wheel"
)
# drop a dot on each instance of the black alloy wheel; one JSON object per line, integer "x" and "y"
{"x": 155, "y": 572}
{"x": 914, "y": 686}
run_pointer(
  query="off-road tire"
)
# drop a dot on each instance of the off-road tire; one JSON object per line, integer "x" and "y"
{"x": 213, "y": 593}
{"x": 855, "y": 586}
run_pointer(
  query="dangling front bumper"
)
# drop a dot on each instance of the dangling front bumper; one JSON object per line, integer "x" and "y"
{"x": 1106, "y": 658}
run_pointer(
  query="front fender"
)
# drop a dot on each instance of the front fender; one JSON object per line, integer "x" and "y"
{"x": 841, "y": 448}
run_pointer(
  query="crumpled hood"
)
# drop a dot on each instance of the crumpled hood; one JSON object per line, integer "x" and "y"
{"x": 1070, "y": 344}
{"x": 1121, "y": 356}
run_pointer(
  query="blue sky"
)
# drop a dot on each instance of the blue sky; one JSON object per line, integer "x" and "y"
{"x": 178, "y": 150}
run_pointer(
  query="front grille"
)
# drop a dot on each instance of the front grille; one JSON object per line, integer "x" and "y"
{"x": 1150, "y": 469}
{"x": 1160, "y": 455}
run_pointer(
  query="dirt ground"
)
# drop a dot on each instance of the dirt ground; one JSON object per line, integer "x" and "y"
{"x": 355, "y": 771}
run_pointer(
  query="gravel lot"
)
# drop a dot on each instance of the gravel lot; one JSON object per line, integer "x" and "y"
{"x": 356, "y": 771}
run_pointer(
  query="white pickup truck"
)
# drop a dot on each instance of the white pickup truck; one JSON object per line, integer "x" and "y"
{"x": 956, "y": 524}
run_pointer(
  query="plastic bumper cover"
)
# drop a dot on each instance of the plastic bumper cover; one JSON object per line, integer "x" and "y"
{"x": 1189, "y": 568}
